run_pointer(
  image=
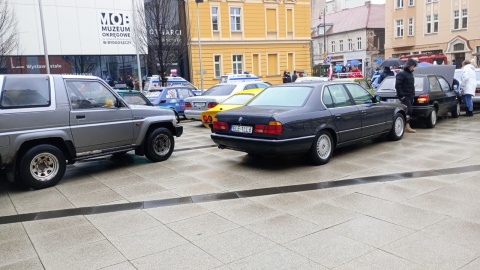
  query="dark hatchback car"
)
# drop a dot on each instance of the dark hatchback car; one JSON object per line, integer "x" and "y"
{"x": 312, "y": 118}
{"x": 434, "y": 94}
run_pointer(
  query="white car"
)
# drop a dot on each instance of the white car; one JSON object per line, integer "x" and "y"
{"x": 194, "y": 106}
{"x": 312, "y": 79}
{"x": 458, "y": 76}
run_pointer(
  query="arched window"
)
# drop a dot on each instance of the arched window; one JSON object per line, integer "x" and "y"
{"x": 459, "y": 47}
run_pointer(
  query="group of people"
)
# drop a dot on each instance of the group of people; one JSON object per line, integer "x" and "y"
{"x": 405, "y": 87}
{"x": 286, "y": 78}
{"x": 347, "y": 72}
{"x": 131, "y": 83}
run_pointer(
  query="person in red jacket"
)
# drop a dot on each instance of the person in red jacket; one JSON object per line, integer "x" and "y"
{"x": 355, "y": 73}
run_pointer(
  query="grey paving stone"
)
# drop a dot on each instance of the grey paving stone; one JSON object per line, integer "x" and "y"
{"x": 6, "y": 205}
{"x": 177, "y": 212}
{"x": 39, "y": 227}
{"x": 15, "y": 251}
{"x": 197, "y": 189}
{"x": 28, "y": 264}
{"x": 283, "y": 228}
{"x": 234, "y": 245}
{"x": 371, "y": 231}
{"x": 457, "y": 231}
{"x": 202, "y": 226}
{"x": 176, "y": 181}
{"x": 91, "y": 256}
{"x": 146, "y": 242}
{"x": 121, "y": 223}
{"x": 160, "y": 195}
{"x": 11, "y": 232}
{"x": 275, "y": 259}
{"x": 473, "y": 265}
{"x": 183, "y": 257}
{"x": 432, "y": 252}
{"x": 247, "y": 213}
{"x": 440, "y": 204}
{"x": 28, "y": 202}
{"x": 124, "y": 181}
{"x": 136, "y": 190}
{"x": 121, "y": 266}
{"x": 288, "y": 203}
{"x": 78, "y": 188}
{"x": 95, "y": 198}
{"x": 459, "y": 193}
{"x": 328, "y": 249}
{"x": 379, "y": 260}
{"x": 326, "y": 215}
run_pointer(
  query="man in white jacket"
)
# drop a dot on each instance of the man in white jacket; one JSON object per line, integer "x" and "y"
{"x": 468, "y": 85}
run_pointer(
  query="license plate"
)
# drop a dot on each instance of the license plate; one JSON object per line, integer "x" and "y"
{"x": 242, "y": 129}
{"x": 393, "y": 100}
{"x": 199, "y": 104}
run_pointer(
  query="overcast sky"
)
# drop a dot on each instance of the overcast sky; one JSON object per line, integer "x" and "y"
{"x": 378, "y": 1}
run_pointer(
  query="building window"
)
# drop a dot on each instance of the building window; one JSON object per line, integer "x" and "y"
{"x": 359, "y": 43}
{"x": 411, "y": 3}
{"x": 333, "y": 46}
{"x": 215, "y": 18}
{"x": 271, "y": 20}
{"x": 398, "y": 3}
{"x": 456, "y": 19}
{"x": 289, "y": 20}
{"x": 459, "y": 47}
{"x": 340, "y": 43}
{"x": 464, "y": 18}
{"x": 237, "y": 64}
{"x": 217, "y": 65}
{"x": 272, "y": 62}
{"x": 429, "y": 24}
{"x": 435, "y": 23}
{"x": 350, "y": 44}
{"x": 410, "y": 27}
{"x": 399, "y": 28}
{"x": 235, "y": 19}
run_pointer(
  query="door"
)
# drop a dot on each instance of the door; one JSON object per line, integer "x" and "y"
{"x": 373, "y": 114}
{"x": 96, "y": 123}
{"x": 436, "y": 95}
{"x": 346, "y": 115}
{"x": 183, "y": 93}
{"x": 450, "y": 95}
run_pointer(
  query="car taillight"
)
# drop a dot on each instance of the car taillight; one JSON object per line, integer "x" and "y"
{"x": 212, "y": 104}
{"x": 422, "y": 98}
{"x": 220, "y": 125}
{"x": 273, "y": 127}
{"x": 188, "y": 105}
{"x": 207, "y": 118}
{"x": 477, "y": 91}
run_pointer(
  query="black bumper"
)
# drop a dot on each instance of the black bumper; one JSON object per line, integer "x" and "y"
{"x": 178, "y": 131}
{"x": 264, "y": 146}
{"x": 421, "y": 111}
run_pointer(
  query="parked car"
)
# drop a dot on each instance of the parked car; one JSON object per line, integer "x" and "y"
{"x": 49, "y": 121}
{"x": 171, "y": 97}
{"x": 434, "y": 94}
{"x": 458, "y": 76}
{"x": 133, "y": 97}
{"x": 313, "y": 118}
{"x": 311, "y": 79}
{"x": 362, "y": 81}
{"x": 235, "y": 101}
{"x": 155, "y": 82}
{"x": 194, "y": 106}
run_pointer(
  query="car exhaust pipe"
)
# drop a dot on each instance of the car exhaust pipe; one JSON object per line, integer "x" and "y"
{"x": 222, "y": 146}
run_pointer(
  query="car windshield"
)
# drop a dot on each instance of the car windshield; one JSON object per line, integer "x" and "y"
{"x": 154, "y": 93}
{"x": 388, "y": 84}
{"x": 238, "y": 99}
{"x": 220, "y": 90}
{"x": 288, "y": 96}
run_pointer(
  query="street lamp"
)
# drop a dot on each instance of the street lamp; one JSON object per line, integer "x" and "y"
{"x": 199, "y": 44}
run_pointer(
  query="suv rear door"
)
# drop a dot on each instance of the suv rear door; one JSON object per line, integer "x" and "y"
{"x": 95, "y": 122}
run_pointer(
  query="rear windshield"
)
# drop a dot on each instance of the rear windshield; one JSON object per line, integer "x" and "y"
{"x": 288, "y": 96}
{"x": 238, "y": 99}
{"x": 220, "y": 90}
{"x": 388, "y": 85}
{"x": 25, "y": 92}
{"x": 154, "y": 93}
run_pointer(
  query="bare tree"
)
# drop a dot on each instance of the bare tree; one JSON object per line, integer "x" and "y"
{"x": 160, "y": 26}
{"x": 8, "y": 33}
{"x": 82, "y": 64}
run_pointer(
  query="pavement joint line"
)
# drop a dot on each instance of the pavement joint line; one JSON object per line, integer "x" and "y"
{"x": 210, "y": 197}
{"x": 194, "y": 148}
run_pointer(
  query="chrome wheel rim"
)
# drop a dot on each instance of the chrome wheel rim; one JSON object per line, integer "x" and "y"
{"x": 433, "y": 116}
{"x": 161, "y": 144}
{"x": 324, "y": 146}
{"x": 44, "y": 167}
{"x": 399, "y": 126}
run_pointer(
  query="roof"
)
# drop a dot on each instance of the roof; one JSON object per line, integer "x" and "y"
{"x": 366, "y": 16}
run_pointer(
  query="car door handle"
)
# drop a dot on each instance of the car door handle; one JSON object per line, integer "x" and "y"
{"x": 364, "y": 112}
{"x": 338, "y": 116}
{"x": 80, "y": 116}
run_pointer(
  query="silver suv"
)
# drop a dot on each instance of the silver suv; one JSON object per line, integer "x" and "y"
{"x": 49, "y": 121}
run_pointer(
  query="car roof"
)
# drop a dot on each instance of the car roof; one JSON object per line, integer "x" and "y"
{"x": 250, "y": 91}
{"x": 445, "y": 71}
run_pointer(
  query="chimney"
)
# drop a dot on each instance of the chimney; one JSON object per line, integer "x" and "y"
{"x": 367, "y": 3}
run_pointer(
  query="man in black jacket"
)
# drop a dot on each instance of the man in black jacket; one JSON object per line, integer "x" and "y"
{"x": 405, "y": 86}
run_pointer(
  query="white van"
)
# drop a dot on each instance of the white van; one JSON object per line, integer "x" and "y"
{"x": 155, "y": 82}
{"x": 238, "y": 78}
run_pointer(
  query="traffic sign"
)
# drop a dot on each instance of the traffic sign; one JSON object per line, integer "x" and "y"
{"x": 328, "y": 59}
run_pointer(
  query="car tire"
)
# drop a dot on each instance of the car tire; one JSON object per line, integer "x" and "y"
{"x": 431, "y": 120}
{"x": 159, "y": 145}
{"x": 398, "y": 128}
{"x": 322, "y": 148}
{"x": 456, "y": 111}
{"x": 42, "y": 166}
{"x": 177, "y": 116}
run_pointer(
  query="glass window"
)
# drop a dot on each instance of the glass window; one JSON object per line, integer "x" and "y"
{"x": 359, "y": 43}
{"x": 220, "y": 90}
{"x": 464, "y": 18}
{"x": 250, "y": 86}
{"x": 434, "y": 84}
{"x": 359, "y": 94}
{"x": 237, "y": 64}
{"x": 411, "y": 3}
{"x": 340, "y": 43}
{"x": 410, "y": 26}
{"x": 217, "y": 65}
{"x": 154, "y": 93}
{"x": 235, "y": 19}
{"x": 26, "y": 92}
{"x": 350, "y": 44}
{"x": 456, "y": 19}
{"x": 184, "y": 93}
{"x": 238, "y": 99}
{"x": 89, "y": 94}
{"x": 340, "y": 96}
{"x": 444, "y": 84}
{"x": 333, "y": 46}
{"x": 327, "y": 98}
{"x": 171, "y": 93}
{"x": 287, "y": 96}
{"x": 215, "y": 18}
{"x": 399, "y": 3}
{"x": 435, "y": 23}
{"x": 134, "y": 99}
{"x": 399, "y": 28}
{"x": 429, "y": 24}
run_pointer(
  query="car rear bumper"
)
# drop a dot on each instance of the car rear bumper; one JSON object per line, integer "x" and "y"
{"x": 178, "y": 131}
{"x": 264, "y": 146}
{"x": 421, "y": 111}
{"x": 192, "y": 114}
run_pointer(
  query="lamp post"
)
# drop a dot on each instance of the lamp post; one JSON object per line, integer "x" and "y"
{"x": 47, "y": 62}
{"x": 199, "y": 44}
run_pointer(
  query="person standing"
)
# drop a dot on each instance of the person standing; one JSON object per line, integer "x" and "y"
{"x": 386, "y": 72}
{"x": 294, "y": 76}
{"x": 284, "y": 78}
{"x": 468, "y": 85}
{"x": 405, "y": 87}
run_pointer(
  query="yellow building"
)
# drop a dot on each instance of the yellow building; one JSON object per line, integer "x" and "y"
{"x": 263, "y": 37}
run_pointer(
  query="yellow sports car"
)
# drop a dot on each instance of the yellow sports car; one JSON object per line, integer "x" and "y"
{"x": 235, "y": 101}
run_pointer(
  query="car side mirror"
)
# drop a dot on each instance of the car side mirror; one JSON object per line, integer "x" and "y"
{"x": 377, "y": 98}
